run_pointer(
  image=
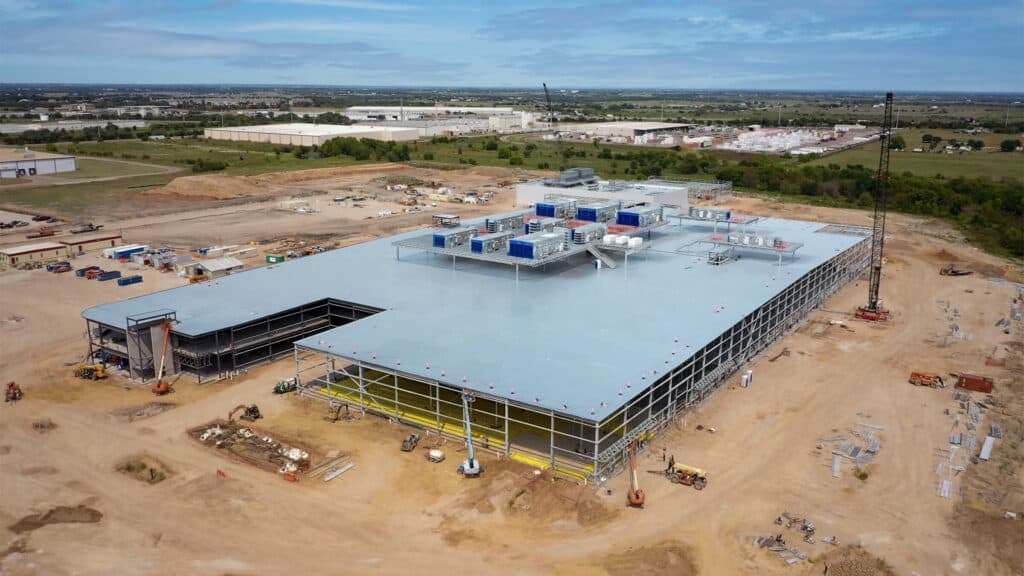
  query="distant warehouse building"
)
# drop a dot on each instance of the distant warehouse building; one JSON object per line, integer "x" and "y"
{"x": 23, "y": 163}
{"x": 309, "y": 134}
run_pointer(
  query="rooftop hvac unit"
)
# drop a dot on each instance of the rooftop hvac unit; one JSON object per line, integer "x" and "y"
{"x": 543, "y": 225}
{"x": 557, "y": 208}
{"x": 641, "y": 216}
{"x": 503, "y": 223}
{"x": 491, "y": 243}
{"x": 589, "y": 233}
{"x": 454, "y": 237}
{"x": 538, "y": 246}
{"x": 604, "y": 212}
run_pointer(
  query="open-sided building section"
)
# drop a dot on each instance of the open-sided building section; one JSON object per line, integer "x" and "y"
{"x": 567, "y": 362}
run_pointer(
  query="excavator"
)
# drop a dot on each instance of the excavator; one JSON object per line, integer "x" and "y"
{"x": 686, "y": 475}
{"x": 250, "y": 413}
{"x": 91, "y": 371}
{"x": 635, "y": 497}
{"x": 161, "y": 387}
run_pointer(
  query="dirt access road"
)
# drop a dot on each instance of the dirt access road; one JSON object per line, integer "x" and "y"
{"x": 396, "y": 512}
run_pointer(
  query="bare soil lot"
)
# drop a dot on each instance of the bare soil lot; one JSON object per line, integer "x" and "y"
{"x": 397, "y": 513}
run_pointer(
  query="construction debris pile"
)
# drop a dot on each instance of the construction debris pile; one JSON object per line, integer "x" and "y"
{"x": 952, "y": 315}
{"x": 860, "y": 446}
{"x": 253, "y": 447}
{"x": 963, "y": 449}
{"x": 777, "y": 543}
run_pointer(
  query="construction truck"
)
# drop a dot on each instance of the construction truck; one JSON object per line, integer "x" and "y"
{"x": 91, "y": 371}
{"x": 927, "y": 379}
{"x": 83, "y": 228}
{"x": 250, "y": 413}
{"x": 13, "y": 392}
{"x": 678, "y": 473}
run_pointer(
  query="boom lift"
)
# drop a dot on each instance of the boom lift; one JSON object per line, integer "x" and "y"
{"x": 635, "y": 497}
{"x": 874, "y": 310}
{"x": 161, "y": 387}
{"x": 471, "y": 468}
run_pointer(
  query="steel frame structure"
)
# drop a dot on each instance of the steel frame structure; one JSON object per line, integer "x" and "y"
{"x": 219, "y": 353}
{"x": 569, "y": 445}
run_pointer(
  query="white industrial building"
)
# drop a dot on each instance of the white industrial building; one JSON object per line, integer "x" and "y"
{"x": 309, "y": 134}
{"x": 68, "y": 125}
{"x": 24, "y": 163}
{"x": 625, "y": 129}
{"x": 418, "y": 112}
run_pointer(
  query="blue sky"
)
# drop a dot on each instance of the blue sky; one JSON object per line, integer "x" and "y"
{"x": 964, "y": 45}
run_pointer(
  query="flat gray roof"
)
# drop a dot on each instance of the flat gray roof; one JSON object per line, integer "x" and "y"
{"x": 568, "y": 337}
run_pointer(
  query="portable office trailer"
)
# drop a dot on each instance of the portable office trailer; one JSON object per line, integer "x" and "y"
{"x": 557, "y": 208}
{"x": 589, "y": 233}
{"x": 503, "y": 222}
{"x": 540, "y": 245}
{"x": 454, "y": 237}
{"x": 602, "y": 212}
{"x": 490, "y": 243}
{"x": 640, "y": 216}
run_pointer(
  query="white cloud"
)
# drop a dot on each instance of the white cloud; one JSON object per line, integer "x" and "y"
{"x": 328, "y": 26}
{"x": 354, "y": 4}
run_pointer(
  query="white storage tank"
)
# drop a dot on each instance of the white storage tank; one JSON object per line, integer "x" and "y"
{"x": 609, "y": 239}
{"x": 622, "y": 240}
{"x": 636, "y": 242}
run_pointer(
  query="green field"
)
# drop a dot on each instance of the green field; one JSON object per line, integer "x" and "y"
{"x": 984, "y": 163}
{"x": 94, "y": 168}
{"x": 244, "y": 158}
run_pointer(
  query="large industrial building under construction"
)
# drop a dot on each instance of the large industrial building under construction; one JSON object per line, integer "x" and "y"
{"x": 576, "y": 326}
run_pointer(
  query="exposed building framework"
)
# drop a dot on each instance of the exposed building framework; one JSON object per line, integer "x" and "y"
{"x": 216, "y": 354}
{"x": 568, "y": 444}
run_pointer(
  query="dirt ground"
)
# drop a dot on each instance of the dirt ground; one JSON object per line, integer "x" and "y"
{"x": 396, "y": 513}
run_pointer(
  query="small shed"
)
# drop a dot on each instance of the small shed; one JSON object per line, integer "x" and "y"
{"x": 215, "y": 267}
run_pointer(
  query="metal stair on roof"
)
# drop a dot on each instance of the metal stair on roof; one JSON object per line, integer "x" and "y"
{"x": 604, "y": 258}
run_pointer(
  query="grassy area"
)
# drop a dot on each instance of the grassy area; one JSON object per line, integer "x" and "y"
{"x": 243, "y": 158}
{"x": 969, "y": 165}
{"x": 92, "y": 168}
{"x": 78, "y": 199}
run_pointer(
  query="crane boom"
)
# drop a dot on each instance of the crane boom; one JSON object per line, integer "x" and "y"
{"x": 881, "y": 204}
{"x": 551, "y": 110}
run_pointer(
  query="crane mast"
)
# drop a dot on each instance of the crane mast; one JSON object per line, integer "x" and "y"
{"x": 874, "y": 310}
{"x": 551, "y": 110}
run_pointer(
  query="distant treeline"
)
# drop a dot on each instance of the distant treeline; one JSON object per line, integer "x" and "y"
{"x": 990, "y": 212}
